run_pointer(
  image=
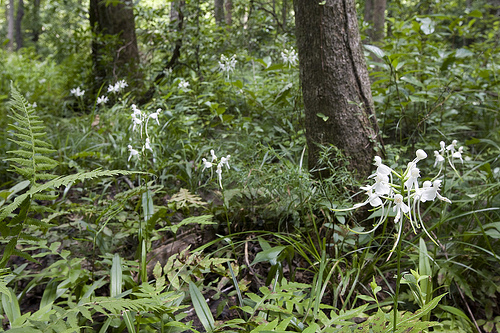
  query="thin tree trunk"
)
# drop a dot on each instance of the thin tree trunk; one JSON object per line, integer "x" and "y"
{"x": 10, "y": 25}
{"x": 37, "y": 26}
{"x": 219, "y": 11}
{"x": 374, "y": 15}
{"x": 229, "y": 12}
{"x": 335, "y": 83}
{"x": 18, "y": 25}
{"x": 284, "y": 13}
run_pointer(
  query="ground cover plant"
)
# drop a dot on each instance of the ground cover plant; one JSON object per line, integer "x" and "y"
{"x": 180, "y": 199}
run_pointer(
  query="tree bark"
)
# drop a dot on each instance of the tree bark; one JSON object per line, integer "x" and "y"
{"x": 228, "y": 6}
{"x": 37, "y": 26}
{"x": 219, "y": 11}
{"x": 335, "y": 84}
{"x": 18, "y": 25}
{"x": 284, "y": 13}
{"x": 115, "y": 53}
{"x": 375, "y": 16}
{"x": 10, "y": 25}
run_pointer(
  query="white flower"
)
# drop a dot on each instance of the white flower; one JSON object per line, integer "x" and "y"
{"x": 154, "y": 115}
{"x": 382, "y": 169}
{"x": 77, "y": 92}
{"x": 137, "y": 112}
{"x": 289, "y": 57}
{"x": 102, "y": 100}
{"x": 136, "y": 121}
{"x": 147, "y": 145}
{"x": 381, "y": 185}
{"x": 111, "y": 88}
{"x": 412, "y": 181}
{"x": 206, "y": 164}
{"x": 225, "y": 161}
{"x": 421, "y": 154}
{"x": 458, "y": 154}
{"x": 121, "y": 85}
{"x": 373, "y": 198}
{"x": 399, "y": 207}
{"x": 443, "y": 146}
{"x": 452, "y": 147}
{"x": 429, "y": 191}
{"x": 227, "y": 65}
{"x": 219, "y": 174}
{"x": 133, "y": 152}
{"x": 183, "y": 84}
{"x": 214, "y": 157}
{"x": 439, "y": 158}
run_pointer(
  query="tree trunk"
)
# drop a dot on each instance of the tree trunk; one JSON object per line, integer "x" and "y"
{"x": 37, "y": 26}
{"x": 10, "y": 25}
{"x": 335, "y": 83}
{"x": 229, "y": 12}
{"x": 18, "y": 26}
{"x": 115, "y": 53}
{"x": 284, "y": 13}
{"x": 375, "y": 16}
{"x": 219, "y": 11}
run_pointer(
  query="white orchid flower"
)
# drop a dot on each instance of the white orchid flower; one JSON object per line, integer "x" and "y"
{"x": 133, "y": 152}
{"x": 399, "y": 207}
{"x": 206, "y": 164}
{"x": 439, "y": 158}
{"x": 147, "y": 145}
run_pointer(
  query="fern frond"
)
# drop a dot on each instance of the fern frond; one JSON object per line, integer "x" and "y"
{"x": 61, "y": 181}
{"x": 28, "y": 134}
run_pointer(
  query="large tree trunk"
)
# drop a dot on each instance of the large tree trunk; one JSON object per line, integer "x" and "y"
{"x": 115, "y": 53}
{"x": 375, "y": 15}
{"x": 335, "y": 83}
{"x": 10, "y": 25}
{"x": 219, "y": 11}
{"x": 18, "y": 25}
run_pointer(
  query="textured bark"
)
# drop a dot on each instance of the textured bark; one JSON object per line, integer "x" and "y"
{"x": 335, "y": 83}
{"x": 219, "y": 11}
{"x": 375, "y": 16}
{"x": 117, "y": 57}
{"x": 18, "y": 31}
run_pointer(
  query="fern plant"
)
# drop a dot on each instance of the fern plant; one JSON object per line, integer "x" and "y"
{"x": 32, "y": 161}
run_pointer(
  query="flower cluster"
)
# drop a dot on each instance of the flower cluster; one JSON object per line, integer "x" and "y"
{"x": 117, "y": 87}
{"x": 77, "y": 92}
{"x": 112, "y": 88}
{"x": 224, "y": 161}
{"x": 183, "y": 84}
{"x": 290, "y": 57}
{"x": 401, "y": 193}
{"x": 448, "y": 152}
{"x": 227, "y": 65}
{"x": 139, "y": 122}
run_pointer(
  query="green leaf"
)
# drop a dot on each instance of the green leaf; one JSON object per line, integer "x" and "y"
{"x": 375, "y": 50}
{"x": 116, "y": 276}
{"x": 11, "y": 306}
{"x": 269, "y": 255}
{"x": 201, "y": 308}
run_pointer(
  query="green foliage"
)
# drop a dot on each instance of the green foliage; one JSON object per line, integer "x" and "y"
{"x": 274, "y": 256}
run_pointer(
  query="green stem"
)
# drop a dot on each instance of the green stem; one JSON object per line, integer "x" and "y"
{"x": 398, "y": 284}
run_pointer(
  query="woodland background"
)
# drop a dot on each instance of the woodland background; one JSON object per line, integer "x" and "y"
{"x": 88, "y": 207}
